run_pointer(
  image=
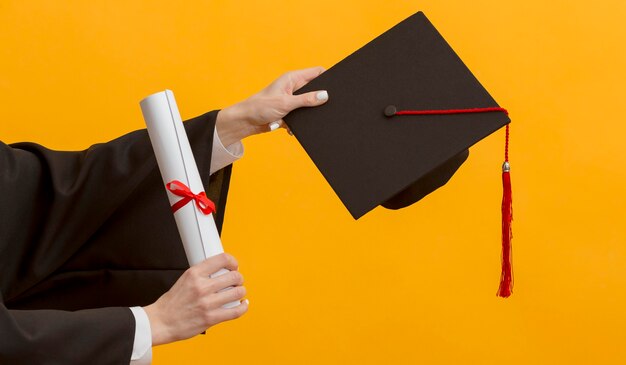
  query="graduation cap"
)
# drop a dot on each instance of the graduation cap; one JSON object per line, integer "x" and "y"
{"x": 402, "y": 114}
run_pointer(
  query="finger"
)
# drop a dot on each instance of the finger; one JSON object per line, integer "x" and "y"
{"x": 302, "y": 77}
{"x": 275, "y": 125}
{"x": 229, "y": 295}
{"x": 232, "y": 278}
{"x": 313, "y": 98}
{"x": 216, "y": 263}
{"x": 227, "y": 314}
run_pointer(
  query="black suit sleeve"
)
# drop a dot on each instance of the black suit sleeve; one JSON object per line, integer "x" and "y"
{"x": 75, "y": 230}
{"x": 89, "y": 336}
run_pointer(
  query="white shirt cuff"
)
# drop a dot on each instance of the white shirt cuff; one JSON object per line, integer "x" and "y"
{"x": 142, "y": 347}
{"x": 224, "y": 156}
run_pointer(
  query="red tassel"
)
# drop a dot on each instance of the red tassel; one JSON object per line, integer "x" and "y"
{"x": 506, "y": 278}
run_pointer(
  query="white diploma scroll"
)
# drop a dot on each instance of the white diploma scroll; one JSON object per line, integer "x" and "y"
{"x": 176, "y": 162}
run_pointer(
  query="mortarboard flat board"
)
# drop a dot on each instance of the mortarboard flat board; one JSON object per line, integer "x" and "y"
{"x": 371, "y": 155}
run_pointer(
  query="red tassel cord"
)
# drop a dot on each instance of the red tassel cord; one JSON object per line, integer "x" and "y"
{"x": 451, "y": 111}
{"x": 506, "y": 277}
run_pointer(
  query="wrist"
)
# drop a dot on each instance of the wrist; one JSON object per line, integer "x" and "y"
{"x": 234, "y": 124}
{"x": 158, "y": 329}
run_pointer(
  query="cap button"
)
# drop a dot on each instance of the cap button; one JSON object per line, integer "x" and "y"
{"x": 390, "y": 110}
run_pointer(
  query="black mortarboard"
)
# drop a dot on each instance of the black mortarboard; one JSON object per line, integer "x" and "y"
{"x": 365, "y": 140}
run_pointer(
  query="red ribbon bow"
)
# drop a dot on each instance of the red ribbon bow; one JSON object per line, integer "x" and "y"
{"x": 203, "y": 203}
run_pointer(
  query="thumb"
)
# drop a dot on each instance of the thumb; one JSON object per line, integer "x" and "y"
{"x": 313, "y": 98}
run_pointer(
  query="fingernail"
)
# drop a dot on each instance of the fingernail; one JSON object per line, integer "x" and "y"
{"x": 247, "y": 302}
{"x": 274, "y": 126}
{"x": 322, "y": 95}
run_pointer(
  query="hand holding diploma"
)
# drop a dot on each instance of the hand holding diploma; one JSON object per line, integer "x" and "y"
{"x": 196, "y": 301}
{"x": 192, "y": 210}
{"x": 207, "y": 293}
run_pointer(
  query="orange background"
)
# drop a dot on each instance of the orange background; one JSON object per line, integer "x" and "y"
{"x": 396, "y": 287}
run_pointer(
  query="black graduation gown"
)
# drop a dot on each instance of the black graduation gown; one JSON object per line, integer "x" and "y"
{"x": 83, "y": 236}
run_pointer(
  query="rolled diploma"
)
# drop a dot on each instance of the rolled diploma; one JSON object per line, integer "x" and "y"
{"x": 176, "y": 162}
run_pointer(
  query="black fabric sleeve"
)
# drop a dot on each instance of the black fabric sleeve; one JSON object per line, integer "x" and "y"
{"x": 90, "y": 229}
{"x": 102, "y": 336}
